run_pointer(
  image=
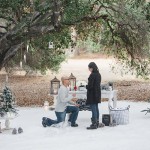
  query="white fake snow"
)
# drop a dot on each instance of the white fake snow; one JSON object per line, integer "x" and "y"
{"x": 134, "y": 136}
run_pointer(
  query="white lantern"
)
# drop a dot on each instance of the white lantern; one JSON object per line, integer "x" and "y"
{"x": 46, "y": 105}
{"x": 50, "y": 45}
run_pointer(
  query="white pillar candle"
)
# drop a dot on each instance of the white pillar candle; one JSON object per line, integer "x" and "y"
{"x": 46, "y": 105}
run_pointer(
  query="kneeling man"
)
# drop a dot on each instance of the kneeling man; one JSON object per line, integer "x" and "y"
{"x": 63, "y": 106}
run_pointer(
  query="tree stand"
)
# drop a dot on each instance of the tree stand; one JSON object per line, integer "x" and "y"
{"x": 7, "y": 124}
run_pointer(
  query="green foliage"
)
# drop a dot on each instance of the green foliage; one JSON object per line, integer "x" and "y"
{"x": 129, "y": 39}
{"x": 90, "y": 46}
{"x": 40, "y": 56}
{"x": 74, "y": 10}
{"x": 7, "y": 102}
{"x": 119, "y": 27}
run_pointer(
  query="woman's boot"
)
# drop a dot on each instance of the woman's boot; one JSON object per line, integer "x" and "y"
{"x": 93, "y": 125}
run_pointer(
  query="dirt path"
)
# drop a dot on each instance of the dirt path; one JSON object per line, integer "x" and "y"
{"x": 79, "y": 67}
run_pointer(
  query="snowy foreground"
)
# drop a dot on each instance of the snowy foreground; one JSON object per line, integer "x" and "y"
{"x": 135, "y": 136}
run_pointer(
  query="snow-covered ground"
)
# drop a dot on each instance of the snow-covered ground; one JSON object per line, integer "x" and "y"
{"x": 135, "y": 136}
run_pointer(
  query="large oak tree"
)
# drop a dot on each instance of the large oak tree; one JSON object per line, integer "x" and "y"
{"x": 121, "y": 26}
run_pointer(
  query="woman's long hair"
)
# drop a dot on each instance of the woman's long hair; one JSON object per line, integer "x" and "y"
{"x": 93, "y": 66}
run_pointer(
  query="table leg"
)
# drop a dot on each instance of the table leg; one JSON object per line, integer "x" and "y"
{"x": 110, "y": 100}
{"x": 115, "y": 99}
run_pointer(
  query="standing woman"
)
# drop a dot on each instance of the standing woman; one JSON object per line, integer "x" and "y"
{"x": 94, "y": 94}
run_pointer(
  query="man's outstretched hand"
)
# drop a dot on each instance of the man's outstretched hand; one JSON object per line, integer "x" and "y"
{"x": 74, "y": 99}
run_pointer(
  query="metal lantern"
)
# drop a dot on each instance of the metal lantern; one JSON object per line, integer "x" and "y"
{"x": 72, "y": 79}
{"x": 55, "y": 84}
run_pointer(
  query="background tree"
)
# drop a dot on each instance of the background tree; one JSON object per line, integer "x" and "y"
{"x": 120, "y": 26}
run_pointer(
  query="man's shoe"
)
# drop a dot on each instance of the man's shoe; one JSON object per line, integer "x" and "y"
{"x": 44, "y": 124}
{"x": 44, "y": 121}
{"x": 74, "y": 125}
{"x": 44, "y": 118}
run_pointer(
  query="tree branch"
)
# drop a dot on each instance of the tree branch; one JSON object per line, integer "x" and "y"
{"x": 8, "y": 19}
{"x": 10, "y": 53}
{"x": 111, "y": 29}
{"x": 39, "y": 30}
{"x": 86, "y": 18}
{"x": 4, "y": 27}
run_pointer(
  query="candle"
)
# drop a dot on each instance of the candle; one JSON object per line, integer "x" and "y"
{"x": 46, "y": 105}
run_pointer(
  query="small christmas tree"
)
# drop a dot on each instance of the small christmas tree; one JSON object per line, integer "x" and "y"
{"x": 7, "y": 102}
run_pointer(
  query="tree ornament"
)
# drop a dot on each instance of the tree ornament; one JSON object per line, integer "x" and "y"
{"x": 50, "y": 45}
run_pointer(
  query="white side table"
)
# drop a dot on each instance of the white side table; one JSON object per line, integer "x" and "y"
{"x": 111, "y": 95}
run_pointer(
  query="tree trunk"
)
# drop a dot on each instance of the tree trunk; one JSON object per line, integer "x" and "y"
{"x": 12, "y": 40}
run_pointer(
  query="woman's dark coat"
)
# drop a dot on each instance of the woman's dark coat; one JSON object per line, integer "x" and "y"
{"x": 93, "y": 88}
